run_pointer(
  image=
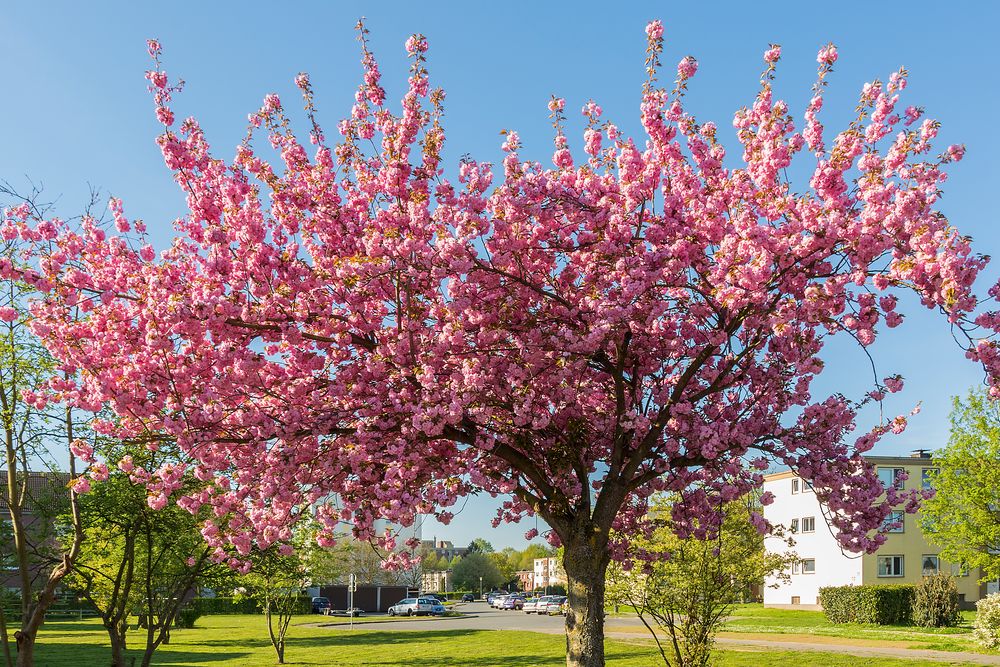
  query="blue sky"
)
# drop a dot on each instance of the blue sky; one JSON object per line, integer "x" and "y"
{"x": 75, "y": 111}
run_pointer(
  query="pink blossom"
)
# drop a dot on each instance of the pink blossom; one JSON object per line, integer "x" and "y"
{"x": 687, "y": 67}
{"x": 654, "y": 29}
{"x": 8, "y": 314}
{"x": 827, "y": 55}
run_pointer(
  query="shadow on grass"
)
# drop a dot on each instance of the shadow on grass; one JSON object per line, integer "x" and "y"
{"x": 58, "y": 655}
{"x": 390, "y": 648}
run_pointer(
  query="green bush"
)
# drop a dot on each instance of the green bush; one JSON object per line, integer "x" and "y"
{"x": 225, "y": 605}
{"x": 986, "y": 630}
{"x": 935, "y": 602}
{"x": 244, "y": 604}
{"x": 875, "y": 604}
{"x": 187, "y": 616}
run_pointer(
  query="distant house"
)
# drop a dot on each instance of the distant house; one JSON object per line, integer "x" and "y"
{"x": 436, "y": 581}
{"x": 548, "y": 572}
{"x": 443, "y": 548}
{"x": 906, "y": 556}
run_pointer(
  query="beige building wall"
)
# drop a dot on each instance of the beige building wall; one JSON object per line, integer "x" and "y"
{"x": 918, "y": 554}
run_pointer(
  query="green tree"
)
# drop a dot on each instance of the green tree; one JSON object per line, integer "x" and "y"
{"x": 136, "y": 560}
{"x": 480, "y": 545}
{"x": 276, "y": 580}
{"x": 31, "y": 430}
{"x": 467, "y": 572}
{"x": 963, "y": 517}
{"x": 692, "y": 584}
{"x": 507, "y": 561}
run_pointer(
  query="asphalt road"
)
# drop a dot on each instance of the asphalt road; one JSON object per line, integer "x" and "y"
{"x": 480, "y": 616}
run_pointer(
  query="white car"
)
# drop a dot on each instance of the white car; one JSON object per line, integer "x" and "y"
{"x": 413, "y": 607}
{"x": 498, "y": 601}
{"x": 536, "y": 604}
{"x": 552, "y": 606}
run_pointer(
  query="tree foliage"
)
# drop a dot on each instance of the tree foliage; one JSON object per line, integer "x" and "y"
{"x": 687, "y": 586}
{"x": 476, "y": 569}
{"x": 354, "y": 320}
{"x": 963, "y": 516}
{"x": 137, "y": 561}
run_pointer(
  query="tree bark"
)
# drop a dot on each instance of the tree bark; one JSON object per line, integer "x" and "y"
{"x": 117, "y": 648}
{"x": 25, "y": 649}
{"x": 586, "y": 563}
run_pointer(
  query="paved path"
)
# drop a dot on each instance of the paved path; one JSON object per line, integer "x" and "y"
{"x": 479, "y": 616}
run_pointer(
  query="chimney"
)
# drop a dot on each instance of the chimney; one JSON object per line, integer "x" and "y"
{"x": 920, "y": 454}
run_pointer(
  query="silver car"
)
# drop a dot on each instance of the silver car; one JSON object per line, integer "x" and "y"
{"x": 413, "y": 607}
{"x": 552, "y": 606}
{"x": 536, "y": 604}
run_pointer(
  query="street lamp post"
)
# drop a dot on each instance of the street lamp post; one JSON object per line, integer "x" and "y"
{"x": 480, "y": 588}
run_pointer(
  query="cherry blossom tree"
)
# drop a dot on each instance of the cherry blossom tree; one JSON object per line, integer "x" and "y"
{"x": 348, "y": 321}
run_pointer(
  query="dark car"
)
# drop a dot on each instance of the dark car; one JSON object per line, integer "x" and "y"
{"x": 320, "y": 605}
{"x": 468, "y": 597}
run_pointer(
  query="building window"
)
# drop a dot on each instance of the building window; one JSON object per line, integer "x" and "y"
{"x": 890, "y": 566}
{"x": 929, "y": 565}
{"x": 891, "y": 477}
{"x": 796, "y": 567}
{"x": 795, "y": 485}
{"x": 808, "y": 524}
{"x": 926, "y": 476}
{"x": 809, "y": 566}
{"x": 796, "y": 599}
{"x": 807, "y": 486}
{"x": 959, "y": 570}
{"x": 894, "y": 522}
{"x": 795, "y": 525}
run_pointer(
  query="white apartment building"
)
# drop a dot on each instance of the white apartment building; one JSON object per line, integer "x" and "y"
{"x": 548, "y": 572}
{"x": 822, "y": 562}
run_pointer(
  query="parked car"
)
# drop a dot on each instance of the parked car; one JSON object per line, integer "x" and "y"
{"x": 552, "y": 606}
{"x": 513, "y": 602}
{"x": 320, "y": 605}
{"x": 413, "y": 607}
{"x": 493, "y": 595}
{"x": 498, "y": 600}
{"x": 438, "y": 609}
{"x": 535, "y": 604}
{"x": 468, "y": 597}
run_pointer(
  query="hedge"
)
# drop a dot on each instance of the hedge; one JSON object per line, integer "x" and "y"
{"x": 243, "y": 605}
{"x": 875, "y": 604}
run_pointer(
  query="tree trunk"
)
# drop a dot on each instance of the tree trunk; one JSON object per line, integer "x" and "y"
{"x": 117, "y": 649}
{"x": 25, "y": 649}
{"x": 586, "y": 563}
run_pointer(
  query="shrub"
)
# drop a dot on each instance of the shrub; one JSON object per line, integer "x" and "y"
{"x": 187, "y": 616}
{"x": 875, "y": 604}
{"x": 935, "y": 602}
{"x": 986, "y": 630}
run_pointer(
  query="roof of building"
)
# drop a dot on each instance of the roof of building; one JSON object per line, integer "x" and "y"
{"x": 915, "y": 459}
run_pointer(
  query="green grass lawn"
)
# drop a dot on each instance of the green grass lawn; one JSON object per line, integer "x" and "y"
{"x": 755, "y": 619}
{"x": 238, "y": 641}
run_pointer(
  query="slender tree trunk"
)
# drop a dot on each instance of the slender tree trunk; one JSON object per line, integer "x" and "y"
{"x": 25, "y": 649}
{"x": 586, "y": 563}
{"x": 117, "y": 647}
{"x": 8, "y": 659}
